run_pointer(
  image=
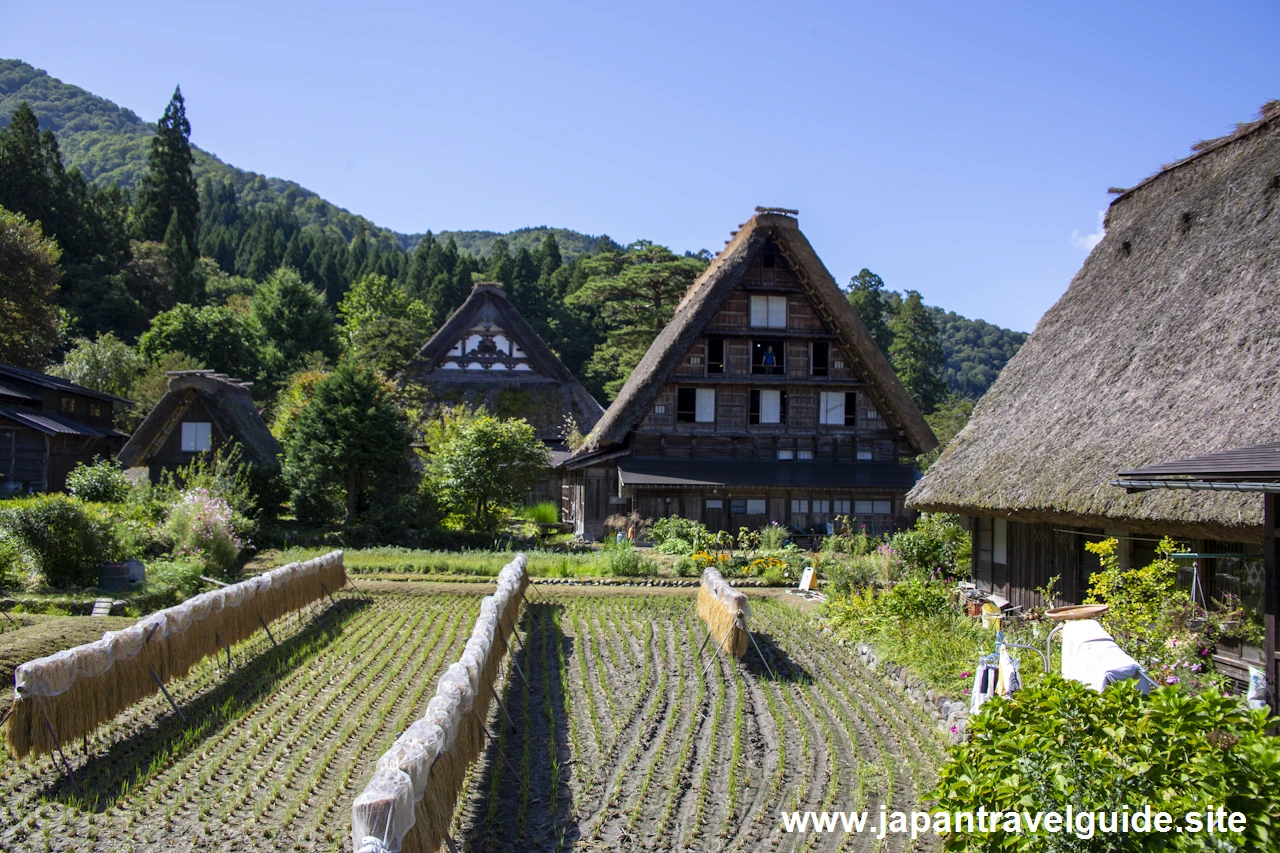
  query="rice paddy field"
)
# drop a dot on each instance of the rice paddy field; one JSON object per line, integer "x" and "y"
{"x": 619, "y": 733}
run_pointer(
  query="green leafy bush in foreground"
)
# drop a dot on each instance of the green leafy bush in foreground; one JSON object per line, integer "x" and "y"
{"x": 101, "y": 482}
{"x": 1060, "y": 744}
{"x": 63, "y": 540}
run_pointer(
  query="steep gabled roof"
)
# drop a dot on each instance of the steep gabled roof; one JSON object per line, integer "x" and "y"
{"x": 704, "y": 299}
{"x": 229, "y": 406}
{"x": 542, "y": 395}
{"x": 1166, "y": 345}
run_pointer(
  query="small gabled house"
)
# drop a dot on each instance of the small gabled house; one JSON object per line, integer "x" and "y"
{"x": 764, "y": 399}
{"x": 487, "y": 355}
{"x": 1165, "y": 346}
{"x": 201, "y": 412}
{"x": 48, "y": 426}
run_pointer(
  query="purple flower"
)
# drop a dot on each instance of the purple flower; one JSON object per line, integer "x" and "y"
{"x": 1173, "y": 679}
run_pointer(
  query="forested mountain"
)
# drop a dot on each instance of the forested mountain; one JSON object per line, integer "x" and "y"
{"x": 110, "y": 145}
{"x": 975, "y": 351}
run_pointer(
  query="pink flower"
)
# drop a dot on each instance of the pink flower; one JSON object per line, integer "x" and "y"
{"x": 966, "y": 691}
{"x": 964, "y": 675}
{"x": 954, "y": 729}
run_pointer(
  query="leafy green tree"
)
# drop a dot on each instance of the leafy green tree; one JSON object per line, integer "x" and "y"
{"x": 105, "y": 364}
{"x": 349, "y": 435}
{"x": 381, "y": 324}
{"x": 169, "y": 187}
{"x": 635, "y": 292}
{"x": 222, "y": 339}
{"x": 30, "y": 326}
{"x": 916, "y": 352}
{"x": 482, "y": 466}
{"x": 867, "y": 296}
{"x": 295, "y": 320}
{"x": 946, "y": 421}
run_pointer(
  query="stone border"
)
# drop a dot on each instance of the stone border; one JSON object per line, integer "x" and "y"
{"x": 950, "y": 715}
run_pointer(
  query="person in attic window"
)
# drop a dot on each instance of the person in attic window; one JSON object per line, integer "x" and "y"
{"x": 770, "y": 360}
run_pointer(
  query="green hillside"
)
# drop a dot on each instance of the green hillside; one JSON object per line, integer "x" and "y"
{"x": 109, "y": 145}
{"x": 975, "y": 351}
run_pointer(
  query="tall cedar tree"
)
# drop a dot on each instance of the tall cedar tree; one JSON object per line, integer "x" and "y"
{"x": 29, "y": 323}
{"x": 916, "y": 352}
{"x": 350, "y": 434}
{"x": 867, "y": 296}
{"x": 635, "y": 292}
{"x": 169, "y": 187}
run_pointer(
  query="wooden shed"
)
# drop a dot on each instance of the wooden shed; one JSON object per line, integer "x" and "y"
{"x": 48, "y": 426}
{"x": 1166, "y": 344}
{"x": 201, "y": 412}
{"x": 763, "y": 400}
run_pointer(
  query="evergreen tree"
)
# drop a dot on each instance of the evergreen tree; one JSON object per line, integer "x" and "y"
{"x": 349, "y": 436}
{"x": 188, "y": 283}
{"x": 29, "y": 325}
{"x": 169, "y": 187}
{"x": 916, "y": 352}
{"x": 867, "y": 296}
{"x": 295, "y": 320}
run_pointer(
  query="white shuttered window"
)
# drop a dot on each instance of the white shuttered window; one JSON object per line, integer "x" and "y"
{"x": 831, "y": 408}
{"x": 706, "y": 412}
{"x": 770, "y": 407}
{"x": 769, "y": 312}
{"x": 197, "y": 437}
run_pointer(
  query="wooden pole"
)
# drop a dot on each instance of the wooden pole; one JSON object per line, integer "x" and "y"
{"x": 263, "y": 622}
{"x": 1271, "y": 593}
{"x": 172, "y": 704}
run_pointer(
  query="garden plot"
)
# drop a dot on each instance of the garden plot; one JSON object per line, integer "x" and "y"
{"x": 621, "y": 742}
{"x": 271, "y": 755}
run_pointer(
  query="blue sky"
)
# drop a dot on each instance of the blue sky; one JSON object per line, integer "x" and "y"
{"x": 962, "y": 150}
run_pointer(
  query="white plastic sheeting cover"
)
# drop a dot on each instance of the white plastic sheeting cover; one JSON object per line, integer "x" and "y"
{"x": 384, "y": 809}
{"x": 381, "y": 816}
{"x": 49, "y": 676}
{"x": 731, "y": 598}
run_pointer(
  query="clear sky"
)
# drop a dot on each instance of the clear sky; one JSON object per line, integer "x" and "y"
{"x": 960, "y": 149}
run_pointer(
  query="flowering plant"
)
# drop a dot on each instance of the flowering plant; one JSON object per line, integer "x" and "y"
{"x": 202, "y": 526}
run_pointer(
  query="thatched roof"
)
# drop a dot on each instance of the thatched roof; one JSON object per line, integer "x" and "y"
{"x": 543, "y": 394}
{"x": 229, "y": 406}
{"x": 705, "y": 297}
{"x": 1166, "y": 345}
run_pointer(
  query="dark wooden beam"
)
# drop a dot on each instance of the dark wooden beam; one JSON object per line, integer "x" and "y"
{"x": 1271, "y": 593}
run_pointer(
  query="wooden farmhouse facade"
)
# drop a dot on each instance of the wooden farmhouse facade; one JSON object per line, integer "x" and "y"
{"x": 48, "y": 426}
{"x": 764, "y": 400}
{"x": 487, "y": 355}
{"x": 202, "y": 412}
{"x": 1166, "y": 345}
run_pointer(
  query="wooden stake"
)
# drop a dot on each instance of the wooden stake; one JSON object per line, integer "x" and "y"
{"x": 263, "y": 622}
{"x": 762, "y": 660}
{"x": 54, "y": 736}
{"x": 493, "y": 740}
{"x": 326, "y": 592}
{"x": 172, "y": 704}
{"x": 223, "y": 643}
{"x": 717, "y": 651}
{"x": 502, "y": 707}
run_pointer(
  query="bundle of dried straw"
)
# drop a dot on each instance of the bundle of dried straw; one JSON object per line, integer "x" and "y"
{"x": 725, "y": 610}
{"x": 68, "y": 694}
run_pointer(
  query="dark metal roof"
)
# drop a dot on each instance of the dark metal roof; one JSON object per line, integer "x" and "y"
{"x": 798, "y": 474}
{"x": 51, "y": 424}
{"x": 12, "y": 393}
{"x": 56, "y": 383}
{"x": 1255, "y": 463}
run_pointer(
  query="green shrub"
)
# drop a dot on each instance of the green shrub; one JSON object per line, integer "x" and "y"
{"x": 10, "y": 565}
{"x": 937, "y": 546}
{"x": 686, "y": 568}
{"x": 62, "y": 539}
{"x": 843, "y": 576}
{"x": 772, "y": 537}
{"x": 545, "y": 512}
{"x": 693, "y": 533}
{"x": 101, "y": 482}
{"x": 624, "y": 561}
{"x": 674, "y": 545}
{"x": 913, "y": 600}
{"x": 1060, "y": 744}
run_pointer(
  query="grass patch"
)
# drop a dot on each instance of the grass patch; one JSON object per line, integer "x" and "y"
{"x": 393, "y": 560}
{"x": 545, "y": 512}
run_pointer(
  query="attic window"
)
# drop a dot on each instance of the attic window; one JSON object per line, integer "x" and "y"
{"x": 767, "y": 259}
{"x": 696, "y": 405}
{"x": 695, "y": 360}
{"x": 69, "y": 405}
{"x": 715, "y": 355}
{"x": 659, "y": 409}
{"x": 95, "y": 410}
{"x": 769, "y": 312}
{"x": 818, "y": 363}
{"x": 768, "y": 357}
{"x": 837, "y": 364}
{"x": 197, "y": 437}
